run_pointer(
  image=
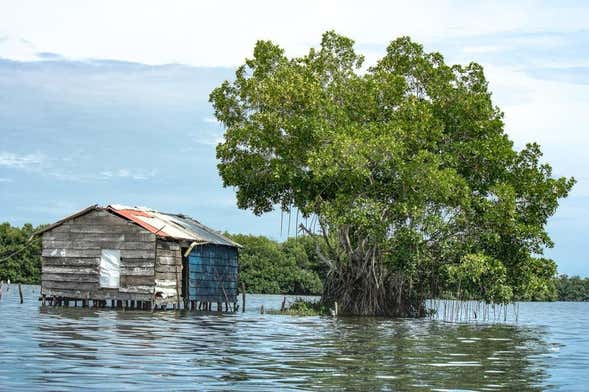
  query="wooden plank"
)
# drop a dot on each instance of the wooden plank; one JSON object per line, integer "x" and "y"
{"x": 81, "y": 278}
{"x": 98, "y": 229}
{"x": 71, "y": 270}
{"x": 99, "y": 244}
{"x": 53, "y": 284}
{"x": 83, "y": 253}
{"x": 100, "y": 218}
{"x": 137, "y": 271}
{"x": 138, "y": 289}
{"x": 138, "y": 254}
{"x": 167, "y": 268}
{"x": 131, "y": 281}
{"x": 167, "y": 245}
{"x": 71, "y": 261}
{"x": 168, "y": 260}
{"x": 137, "y": 263}
{"x": 165, "y": 276}
{"x": 168, "y": 253}
{"x": 170, "y": 283}
{"x": 67, "y": 236}
{"x": 55, "y": 252}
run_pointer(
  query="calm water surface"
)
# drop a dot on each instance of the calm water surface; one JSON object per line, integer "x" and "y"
{"x": 68, "y": 349}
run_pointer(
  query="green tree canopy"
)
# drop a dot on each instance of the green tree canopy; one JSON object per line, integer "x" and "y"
{"x": 20, "y": 260}
{"x": 269, "y": 267}
{"x": 405, "y": 165}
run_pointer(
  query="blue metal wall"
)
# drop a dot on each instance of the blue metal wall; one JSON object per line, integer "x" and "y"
{"x": 212, "y": 273}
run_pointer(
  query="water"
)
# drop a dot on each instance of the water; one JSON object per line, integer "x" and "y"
{"x": 68, "y": 349}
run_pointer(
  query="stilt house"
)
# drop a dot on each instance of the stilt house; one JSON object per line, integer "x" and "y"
{"x": 138, "y": 257}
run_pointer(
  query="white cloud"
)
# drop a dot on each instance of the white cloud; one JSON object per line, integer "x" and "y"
{"x": 17, "y": 161}
{"x": 5, "y": 180}
{"x": 128, "y": 173}
{"x": 224, "y": 32}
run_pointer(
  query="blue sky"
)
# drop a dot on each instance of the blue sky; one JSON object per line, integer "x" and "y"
{"x": 108, "y": 102}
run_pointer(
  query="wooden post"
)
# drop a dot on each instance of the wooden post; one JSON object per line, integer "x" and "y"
{"x": 1, "y": 289}
{"x": 242, "y": 297}
{"x": 283, "y": 306}
{"x": 20, "y": 293}
{"x": 335, "y": 308}
{"x": 262, "y": 309}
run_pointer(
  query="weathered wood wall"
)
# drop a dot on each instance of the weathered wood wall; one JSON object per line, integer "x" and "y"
{"x": 71, "y": 258}
{"x": 168, "y": 272}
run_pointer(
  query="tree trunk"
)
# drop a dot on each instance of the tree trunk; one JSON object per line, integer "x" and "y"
{"x": 364, "y": 286}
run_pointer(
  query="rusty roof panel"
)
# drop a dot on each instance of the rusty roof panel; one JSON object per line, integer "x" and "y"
{"x": 174, "y": 226}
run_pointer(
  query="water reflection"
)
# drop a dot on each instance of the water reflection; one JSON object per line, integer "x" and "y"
{"x": 65, "y": 349}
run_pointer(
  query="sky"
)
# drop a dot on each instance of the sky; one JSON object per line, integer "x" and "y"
{"x": 107, "y": 101}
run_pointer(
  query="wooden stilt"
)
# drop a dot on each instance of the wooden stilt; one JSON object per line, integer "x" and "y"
{"x": 242, "y": 297}
{"x": 20, "y": 293}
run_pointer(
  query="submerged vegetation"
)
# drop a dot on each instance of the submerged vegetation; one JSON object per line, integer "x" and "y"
{"x": 303, "y": 307}
{"x": 402, "y": 173}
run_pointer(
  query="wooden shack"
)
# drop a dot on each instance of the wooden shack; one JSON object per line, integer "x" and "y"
{"x": 137, "y": 258}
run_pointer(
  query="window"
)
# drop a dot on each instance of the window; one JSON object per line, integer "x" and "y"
{"x": 110, "y": 268}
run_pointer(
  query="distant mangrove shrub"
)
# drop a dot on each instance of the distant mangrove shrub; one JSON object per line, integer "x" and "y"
{"x": 572, "y": 288}
{"x": 270, "y": 267}
{"x": 24, "y": 267}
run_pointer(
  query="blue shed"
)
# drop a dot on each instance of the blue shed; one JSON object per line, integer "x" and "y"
{"x": 212, "y": 273}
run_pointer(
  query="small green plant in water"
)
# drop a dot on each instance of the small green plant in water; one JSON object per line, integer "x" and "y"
{"x": 302, "y": 307}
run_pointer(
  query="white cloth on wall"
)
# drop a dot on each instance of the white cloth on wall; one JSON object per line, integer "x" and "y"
{"x": 110, "y": 268}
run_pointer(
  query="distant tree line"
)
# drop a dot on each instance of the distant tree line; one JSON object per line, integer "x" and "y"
{"x": 25, "y": 266}
{"x": 265, "y": 266}
{"x": 571, "y": 288}
{"x": 271, "y": 267}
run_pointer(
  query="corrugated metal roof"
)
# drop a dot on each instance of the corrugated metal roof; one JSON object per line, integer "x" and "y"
{"x": 174, "y": 226}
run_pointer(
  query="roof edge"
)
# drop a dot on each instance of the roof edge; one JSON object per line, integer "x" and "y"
{"x": 67, "y": 218}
